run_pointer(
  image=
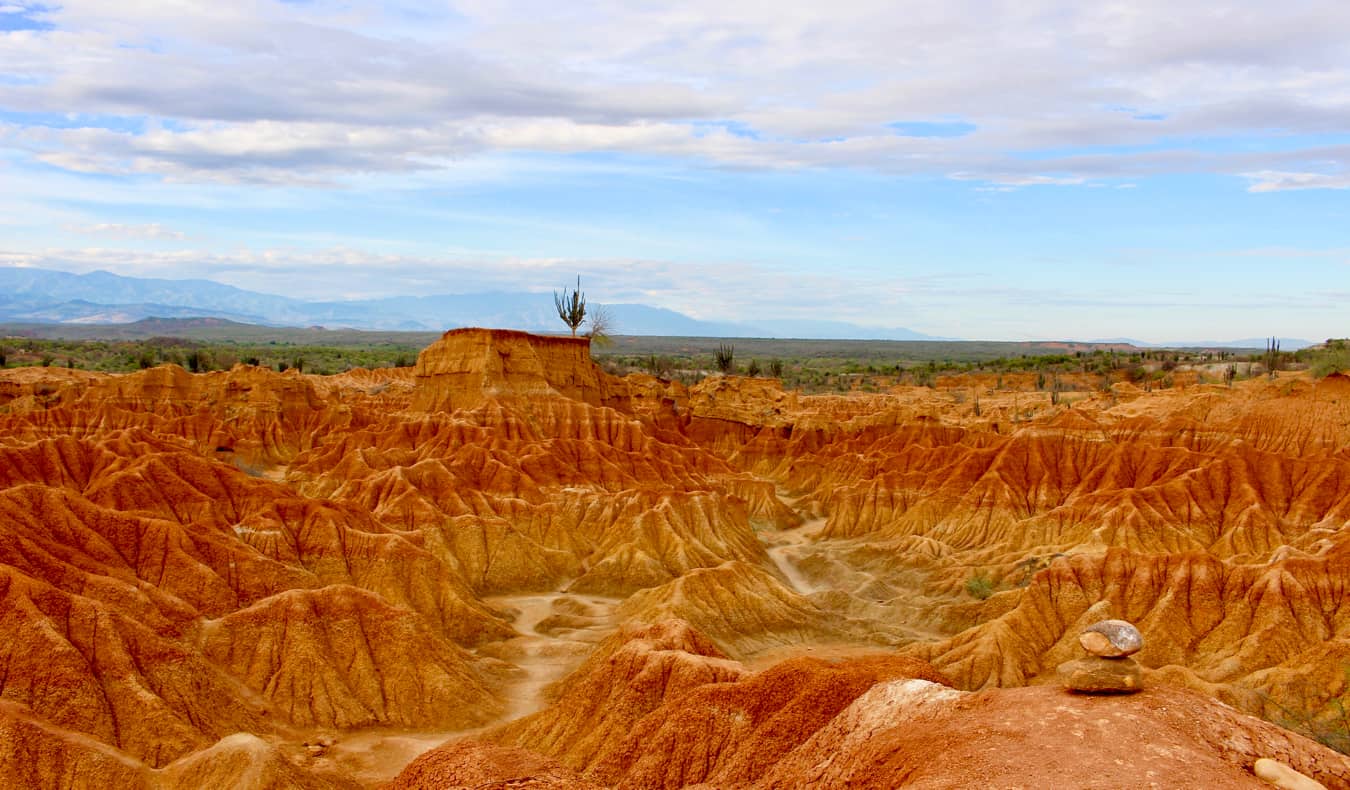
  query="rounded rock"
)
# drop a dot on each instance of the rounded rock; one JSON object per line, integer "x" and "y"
{"x": 1282, "y": 776}
{"x": 1096, "y": 675}
{"x": 1111, "y": 639}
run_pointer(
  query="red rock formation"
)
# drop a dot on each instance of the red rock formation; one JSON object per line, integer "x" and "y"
{"x": 343, "y": 657}
{"x": 912, "y": 734}
{"x": 85, "y": 666}
{"x": 740, "y": 606}
{"x": 473, "y": 764}
{"x": 467, "y": 367}
{"x": 1244, "y": 632}
{"x": 867, "y": 724}
{"x": 630, "y": 675}
{"x": 730, "y": 734}
{"x": 34, "y": 753}
{"x": 185, "y": 557}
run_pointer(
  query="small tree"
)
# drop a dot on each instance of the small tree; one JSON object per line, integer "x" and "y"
{"x": 725, "y": 357}
{"x": 752, "y": 369}
{"x": 4, "y": 356}
{"x": 571, "y": 308}
{"x": 776, "y": 368}
{"x": 601, "y": 325}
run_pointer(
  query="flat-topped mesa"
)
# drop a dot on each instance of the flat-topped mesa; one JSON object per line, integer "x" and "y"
{"x": 466, "y": 367}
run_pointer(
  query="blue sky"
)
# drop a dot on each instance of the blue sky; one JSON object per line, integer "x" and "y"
{"x": 1000, "y": 170}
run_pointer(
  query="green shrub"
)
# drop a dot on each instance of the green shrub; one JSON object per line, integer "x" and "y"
{"x": 725, "y": 357}
{"x": 1332, "y": 360}
{"x": 979, "y": 586}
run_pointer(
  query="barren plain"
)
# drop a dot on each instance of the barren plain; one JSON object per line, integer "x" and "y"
{"x": 506, "y": 568}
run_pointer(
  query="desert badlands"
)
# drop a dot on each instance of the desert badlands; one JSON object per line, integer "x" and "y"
{"x": 504, "y": 568}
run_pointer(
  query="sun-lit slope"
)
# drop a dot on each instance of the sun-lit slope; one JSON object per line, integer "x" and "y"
{"x": 912, "y": 734}
{"x": 160, "y": 594}
{"x": 153, "y": 512}
{"x": 113, "y": 597}
{"x": 628, "y": 676}
{"x": 742, "y": 607}
{"x": 249, "y": 551}
{"x": 731, "y": 733}
{"x": 661, "y": 706}
{"x": 480, "y": 764}
{"x": 1259, "y": 635}
{"x": 1137, "y": 474}
{"x": 511, "y": 462}
{"x": 658, "y": 708}
{"x": 215, "y": 567}
{"x": 343, "y": 657}
{"x": 1214, "y": 517}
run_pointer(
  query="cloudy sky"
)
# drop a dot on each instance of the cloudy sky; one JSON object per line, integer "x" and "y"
{"x": 968, "y": 168}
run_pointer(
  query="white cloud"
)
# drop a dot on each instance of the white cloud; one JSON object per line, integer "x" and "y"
{"x": 306, "y": 93}
{"x": 1277, "y": 181}
{"x": 153, "y": 231}
{"x": 1007, "y": 181}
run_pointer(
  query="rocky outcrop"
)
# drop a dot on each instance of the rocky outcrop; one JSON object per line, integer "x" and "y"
{"x": 867, "y": 724}
{"x": 1238, "y": 631}
{"x": 740, "y": 606}
{"x": 198, "y": 572}
{"x": 468, "y": 367}
{"x": 1043, "y": 737}
{"x": 630, "y": 675}
{"x": 343, "y": 657}
{"x": 477, "y": 764}
{"x": 732, "y": 734}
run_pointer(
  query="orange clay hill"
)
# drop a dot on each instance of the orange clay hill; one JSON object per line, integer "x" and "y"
{"x": 506, "y": 568}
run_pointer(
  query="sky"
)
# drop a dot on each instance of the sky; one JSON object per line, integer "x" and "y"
{"x": 1007, "y": 170}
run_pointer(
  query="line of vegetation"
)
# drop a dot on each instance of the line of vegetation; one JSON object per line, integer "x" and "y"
{"x": 814, "y": 366}
{"x": 1326, "y": 358}
{"x": 121, "y": 356}
{"x": 817, "y": 366}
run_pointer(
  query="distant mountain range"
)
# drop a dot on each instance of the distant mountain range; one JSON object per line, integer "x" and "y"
{"x": 1286, "y": 343}
{"x": 55, "y": 297}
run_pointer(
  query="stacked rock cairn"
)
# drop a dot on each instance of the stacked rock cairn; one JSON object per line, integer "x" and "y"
{"x": 1108, "y": 668}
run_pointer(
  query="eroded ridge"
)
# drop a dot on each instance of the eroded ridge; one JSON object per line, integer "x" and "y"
{"x": 631, "y": 583}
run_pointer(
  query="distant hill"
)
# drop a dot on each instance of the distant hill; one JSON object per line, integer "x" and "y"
{"x": 1286, "y": 343}
{"x": 45, "y": 296}
{"x": 101, "y": 298}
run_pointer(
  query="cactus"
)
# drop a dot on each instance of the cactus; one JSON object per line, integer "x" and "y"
{"x": 571, "y": 308}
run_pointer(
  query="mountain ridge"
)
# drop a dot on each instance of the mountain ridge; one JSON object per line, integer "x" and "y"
{"x": 48, "y": 296}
